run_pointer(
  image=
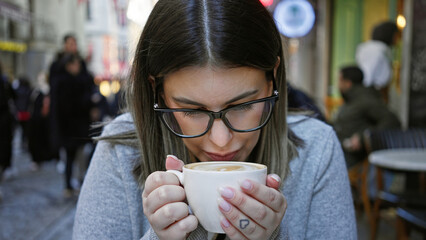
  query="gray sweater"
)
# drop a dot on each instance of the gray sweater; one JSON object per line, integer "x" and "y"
{"x": 317, "y": 190}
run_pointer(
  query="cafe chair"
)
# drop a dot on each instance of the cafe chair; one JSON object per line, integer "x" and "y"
{"x": 393, "y": 139}
{"x": 359, "y": 184}
{"x": 408, "y": 219}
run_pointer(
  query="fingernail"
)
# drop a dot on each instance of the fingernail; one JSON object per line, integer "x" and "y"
{"x": 246, "y": 184}
{"x": 226, "y": 192}
{"x": 173, "y": 156}
{"x": 275, "y": 177}
{"x": 225, "y": 222}
{"x": 224, "y": 205}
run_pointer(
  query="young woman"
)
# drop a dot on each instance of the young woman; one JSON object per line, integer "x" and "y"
{"x": 208, "y": 84}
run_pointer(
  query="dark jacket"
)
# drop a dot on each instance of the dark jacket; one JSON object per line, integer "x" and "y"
{"x": 38, "y": 134}
{"x": 6, "y": 123}
{"x": 56, "y": 72}
{"x": 298, "y": 100}
{"x": 363, "y": 110}
{"x": 71, "y": 109}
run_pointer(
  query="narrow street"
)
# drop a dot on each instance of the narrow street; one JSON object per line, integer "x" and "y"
{"x": 32, "y": 205}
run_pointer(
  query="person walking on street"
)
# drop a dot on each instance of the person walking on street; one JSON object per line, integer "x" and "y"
{"x": 6, "y": 124}
{"x": 72, "y": 96}
{"x": 23, "y": 89}
{"x": 38, "y": 134}
{"x": 56, "y": 71}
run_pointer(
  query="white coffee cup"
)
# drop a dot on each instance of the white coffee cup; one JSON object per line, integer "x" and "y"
{"x": 202, "y": 180}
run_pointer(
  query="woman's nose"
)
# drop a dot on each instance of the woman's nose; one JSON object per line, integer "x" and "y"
{"x": 220, "y": 134}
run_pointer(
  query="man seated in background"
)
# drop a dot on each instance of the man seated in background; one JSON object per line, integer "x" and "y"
{"x": 363, "y": 109}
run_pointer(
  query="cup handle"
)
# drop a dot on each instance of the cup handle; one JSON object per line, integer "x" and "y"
{"x": 178, "y": 174}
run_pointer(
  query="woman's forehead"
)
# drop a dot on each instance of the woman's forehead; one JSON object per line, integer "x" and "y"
{"x": 211, "y": 77}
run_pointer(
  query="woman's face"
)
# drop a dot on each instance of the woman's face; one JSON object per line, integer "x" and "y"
{"x": 73, "y": 67}
{"x": 215, "y": 89}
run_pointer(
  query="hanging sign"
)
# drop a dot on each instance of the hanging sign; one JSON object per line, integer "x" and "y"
{"x": 10, "y": 46}
{"x": 294, "y": 18}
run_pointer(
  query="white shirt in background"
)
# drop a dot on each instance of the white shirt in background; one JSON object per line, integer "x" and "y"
{"x": 374, "y": 59}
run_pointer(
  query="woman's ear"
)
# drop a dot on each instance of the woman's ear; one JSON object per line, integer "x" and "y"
{"x": 277, "y": 64}
{"x": 151, "y": 80}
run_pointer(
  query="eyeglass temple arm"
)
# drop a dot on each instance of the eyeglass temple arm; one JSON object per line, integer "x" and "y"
{"x": 274, "y": 85}
{"x": 155, "y": 90}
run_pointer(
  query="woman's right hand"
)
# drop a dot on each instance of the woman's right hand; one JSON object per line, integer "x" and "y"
{"x": 163, "y": 203}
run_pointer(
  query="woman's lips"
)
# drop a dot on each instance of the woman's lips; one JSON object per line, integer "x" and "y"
{"x": 222, "y": 157}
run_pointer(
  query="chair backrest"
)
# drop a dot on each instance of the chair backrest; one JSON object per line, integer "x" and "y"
{"x": 395, "y": 138}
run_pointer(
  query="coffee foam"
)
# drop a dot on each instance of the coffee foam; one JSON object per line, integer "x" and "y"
{"x": 224, "y": 167}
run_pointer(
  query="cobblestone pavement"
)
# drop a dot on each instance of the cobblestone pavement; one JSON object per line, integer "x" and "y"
{"x": 32, "y": 205}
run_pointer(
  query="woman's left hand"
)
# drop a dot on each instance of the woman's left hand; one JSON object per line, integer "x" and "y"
{"x": 255, "y": 211}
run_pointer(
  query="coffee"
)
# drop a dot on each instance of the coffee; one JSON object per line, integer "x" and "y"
{"x": 224, "y": 166}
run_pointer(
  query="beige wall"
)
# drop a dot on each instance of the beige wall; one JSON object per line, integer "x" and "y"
{"x": 375, "y": 11}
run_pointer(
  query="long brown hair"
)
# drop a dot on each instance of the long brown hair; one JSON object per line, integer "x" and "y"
{"x": 220, "y": 33}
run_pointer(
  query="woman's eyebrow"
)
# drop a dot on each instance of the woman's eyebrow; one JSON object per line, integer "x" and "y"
{"x": 184, "y": 100}
{"x": 187, "y": 101}
{"x": 242, "y": 96}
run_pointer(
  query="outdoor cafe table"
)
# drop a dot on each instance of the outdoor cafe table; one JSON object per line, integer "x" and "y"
{"x": 403, "y": 159}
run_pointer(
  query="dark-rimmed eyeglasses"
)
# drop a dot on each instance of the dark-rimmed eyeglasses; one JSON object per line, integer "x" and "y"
{"x": 245, "y": 117}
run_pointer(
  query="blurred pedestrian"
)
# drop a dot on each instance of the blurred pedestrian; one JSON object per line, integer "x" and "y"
{"x": 71, "y": 94}
{"x": 56, "y": 70}
{"x": 22, "y": 89}
{"x": 375, "y": 59}
{"x": 6, "y": 123}
{"x": 363, "y": 109}
{"x": 38, "y": 134}
{"x": 69, "y": 47}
